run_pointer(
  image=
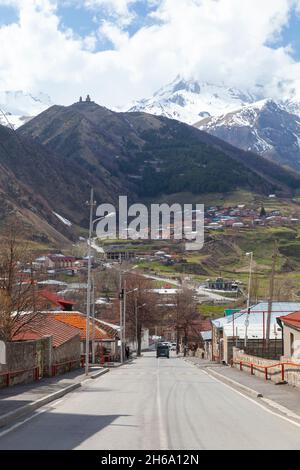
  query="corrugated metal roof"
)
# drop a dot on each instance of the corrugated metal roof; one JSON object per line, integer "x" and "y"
{"x": 206, "y": 335}
{"x": 256, "y": 327}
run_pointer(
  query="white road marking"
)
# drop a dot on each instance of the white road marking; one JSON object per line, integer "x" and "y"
{"x": 20, "y": 423}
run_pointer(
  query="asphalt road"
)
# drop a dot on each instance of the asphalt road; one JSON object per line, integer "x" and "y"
{"x": 153, "y": 404}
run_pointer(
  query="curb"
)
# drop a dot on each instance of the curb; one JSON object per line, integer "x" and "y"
{"x": 98, "y": 374}
{"x": 10, "y": 417}
{"x": 248, "y": 390}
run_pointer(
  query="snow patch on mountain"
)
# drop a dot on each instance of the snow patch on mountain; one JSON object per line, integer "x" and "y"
{"x": 189, "y": 100}
{"x": 63, "y": 219}
{"x": 266, "y": 127}
{"x": 18, "y": 107}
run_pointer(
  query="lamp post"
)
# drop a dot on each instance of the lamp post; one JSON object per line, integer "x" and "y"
{"x": 93, "y": 320}
{"x": 88, "y": 301}
{"x": 248, "y": 298}
{"x": 124, "y": 300}
{"x": 91, "y": 205}
{"x": 136, "y": 323}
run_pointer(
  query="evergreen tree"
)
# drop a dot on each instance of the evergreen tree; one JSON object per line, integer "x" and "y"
{"x": 263, "y": 212}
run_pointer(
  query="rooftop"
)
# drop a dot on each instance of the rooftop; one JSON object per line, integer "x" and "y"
{"x": 78, "y": 320}
{"x": 45, "y": 325}
{"x": 258, "y": 313}
{"x": 291, "y": 320}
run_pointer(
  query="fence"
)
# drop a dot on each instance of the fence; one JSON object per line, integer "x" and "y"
{"x": 9, "y": 375}
{"x": 67, "y": 366}
{"x": 278, "y": 372}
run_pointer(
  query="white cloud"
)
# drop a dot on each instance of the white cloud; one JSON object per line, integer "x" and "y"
{"x": 216, "y": 40}
{"x": 118, "y": 9}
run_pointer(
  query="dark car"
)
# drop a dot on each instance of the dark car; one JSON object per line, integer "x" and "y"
{"x": 162, "y": 350}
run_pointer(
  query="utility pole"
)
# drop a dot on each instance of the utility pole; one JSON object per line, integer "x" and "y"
{"x": 136, "y": 324}
{"x": 88, "y": 302}
{"x": 248, "y": 298}
{"x": 124, "y": 311}
{"x": 93, "y": 321}
{"x": 121, "y": 295}
{"x": 271, "y": 294}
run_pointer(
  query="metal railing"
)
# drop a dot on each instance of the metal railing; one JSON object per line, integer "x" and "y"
{"x": 67, "y": 364}
{"x": 11, "y": 374}
{"x": 266, "y": 368}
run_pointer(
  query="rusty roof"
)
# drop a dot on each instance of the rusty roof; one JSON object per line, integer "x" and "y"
{"x": 78, "y": 320}
{"x": 45, "y": 325}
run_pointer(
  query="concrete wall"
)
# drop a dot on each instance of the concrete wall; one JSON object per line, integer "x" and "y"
{"x": 292, "y": 374}
{"x": 25, "y": 356}
{"x": 255, "y": 347}
{"x": 291, "y": 351}
{"x": 67, "y": 353}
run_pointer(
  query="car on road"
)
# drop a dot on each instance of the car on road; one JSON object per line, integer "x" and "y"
{"x": 162, "y": 350}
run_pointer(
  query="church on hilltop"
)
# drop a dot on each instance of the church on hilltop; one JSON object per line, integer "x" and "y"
{"x": 87, "y": 100}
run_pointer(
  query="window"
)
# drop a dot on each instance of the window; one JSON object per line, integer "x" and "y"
{"x": 292, "y": 344}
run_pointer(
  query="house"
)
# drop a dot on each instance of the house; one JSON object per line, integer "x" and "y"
{"x": 206, "y": 340}
{"x": 64, "y": 342}
{"x": 54, "y": 301}
{"x": 229, "y": 331}
{"x": 290, "y": 325}
{"x": 58, "y": 262}
{"x": 222, "y": 284}
{"x": 105, "y": 336}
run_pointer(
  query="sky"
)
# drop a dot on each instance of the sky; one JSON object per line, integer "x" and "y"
{"x": 124, "y": 50}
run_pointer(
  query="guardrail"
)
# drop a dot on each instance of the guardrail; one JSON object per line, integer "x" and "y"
{"x": 266, "y": 368}
{"x": 69, "y": 365}
{"x": 10, "y": 374}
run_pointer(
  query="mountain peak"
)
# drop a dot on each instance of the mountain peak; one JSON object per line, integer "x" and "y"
{"x": 188, "y": 99}
{"x": 18, "y": 107}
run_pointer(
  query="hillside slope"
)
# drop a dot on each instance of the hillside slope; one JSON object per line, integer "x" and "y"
{"x": 266, "y": 127}
{"x": 142, "y": 155}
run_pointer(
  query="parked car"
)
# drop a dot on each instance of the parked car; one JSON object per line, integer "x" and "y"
{"x": 162, "y": 350}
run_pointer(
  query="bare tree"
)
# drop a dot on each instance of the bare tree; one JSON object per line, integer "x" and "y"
{"x": 185, "y": 313}
{"x": 19, "y": 299}
{"x": 142, "y": 310}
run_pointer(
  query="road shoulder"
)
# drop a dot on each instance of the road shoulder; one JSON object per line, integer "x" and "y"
{"x": 282, "y": 399}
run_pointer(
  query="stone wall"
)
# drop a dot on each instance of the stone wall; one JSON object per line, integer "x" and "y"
{"x": 25, "y": 356}
{"x": 67, "y": 353}
{"x": 292, "y": 373}
{"x": 255, "y": 347}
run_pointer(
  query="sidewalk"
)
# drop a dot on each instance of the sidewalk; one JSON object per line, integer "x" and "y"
{"x": 284, "y": 398}
{"x": 22, "y": 399}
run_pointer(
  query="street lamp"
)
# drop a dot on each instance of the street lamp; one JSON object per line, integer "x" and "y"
{"x": 91, "y": 204}
{"x": 136, "y": 323}
{"x": 250, "y": 255}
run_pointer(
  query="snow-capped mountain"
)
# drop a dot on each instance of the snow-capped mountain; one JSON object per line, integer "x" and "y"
{"x": 269, "y": 128}
{"x": 189, "y": 100}
{"x": 18, "y": 107}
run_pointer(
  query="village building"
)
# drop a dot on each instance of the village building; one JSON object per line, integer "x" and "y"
{"x": 105, "y": 336}
{"x": 291, "y": 336}
{"x": 53, "y": 301}
{"x": 62, "y": 349}
{"x": 229, "y": 332}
